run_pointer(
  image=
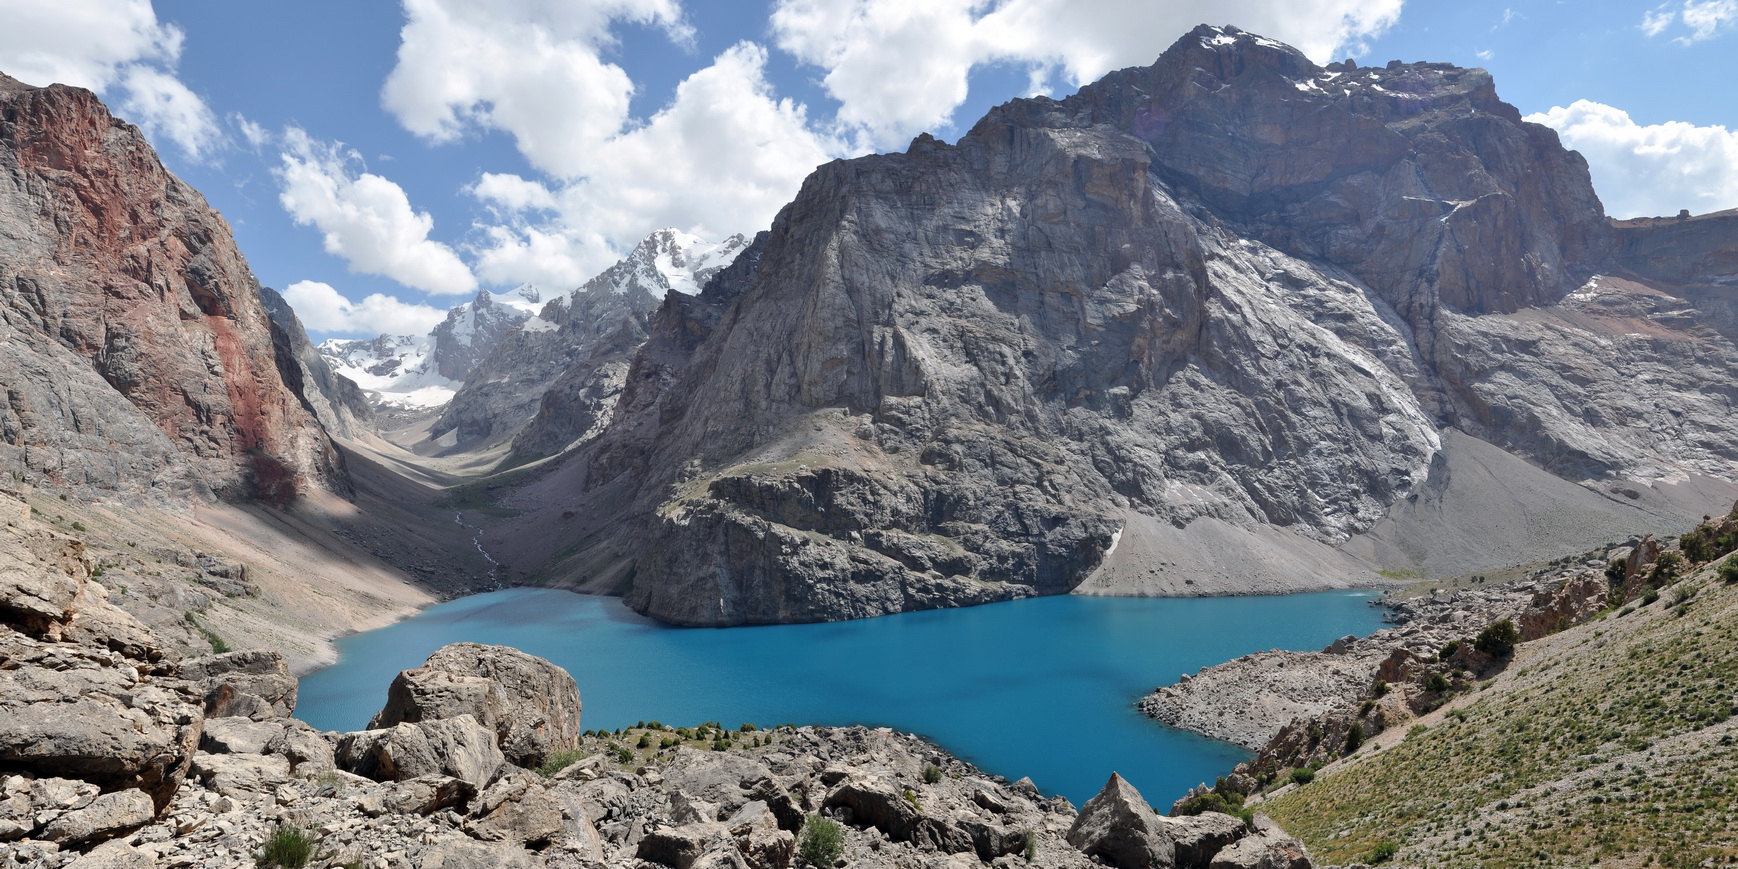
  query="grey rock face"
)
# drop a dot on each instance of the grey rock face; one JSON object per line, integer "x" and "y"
{"x": 1233, "y": 288}
{"x": 106, "y": 817}
{"x": 1119, "y": 827}
{"x": 139, "y": 358}
{"x": 458, "y": 747}
{"x": 579, "y": 344}
{"x": 335, "y": 400}
{"x": 532, "y": 705}
{"x": 255, "y": 683}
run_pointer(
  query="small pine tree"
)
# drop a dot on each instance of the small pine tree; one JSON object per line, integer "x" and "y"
{"x": 1499, "y": 639}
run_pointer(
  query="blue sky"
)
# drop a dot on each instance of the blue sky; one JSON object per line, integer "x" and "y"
{"x": 381, "y": 161}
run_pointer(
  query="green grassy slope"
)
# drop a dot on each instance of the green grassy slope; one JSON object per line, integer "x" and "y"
{"x": 1609, "y": 744}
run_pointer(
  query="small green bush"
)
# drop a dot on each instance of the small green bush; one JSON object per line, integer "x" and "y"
{"x": 1650, "y": 596}
{"x": 1382, "y": 853}
{"x": 1354, "y": 737}
{"x": 822, "y": 841}
{"x": 1667, "y": 568}
{"x": 1729, "y": 570}
{"x": 1437, "y": 682}
{"x": 1031, "y": 845}
{"x": 1617, "y": 571}
{"x": 559, "y": 761}
{"x": 931, "y": 773}
{"x": 747, "y": 728}
{"x": 1499, "y": 639}
{"x": 1448, "y": 650}
{"x": 911, "y": 797}
{"x": 1380, "y": 689}
{"x": 1303, "y": 776}
{"x": 286, "y": 848}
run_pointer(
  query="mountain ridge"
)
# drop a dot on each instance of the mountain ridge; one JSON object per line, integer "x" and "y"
{"x": 956, "y": 372}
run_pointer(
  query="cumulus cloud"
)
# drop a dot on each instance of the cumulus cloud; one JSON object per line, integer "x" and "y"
{"x": 1703, "y": 19}
{"x": 528, "y": 67}
{"x": 722, "y": 157}
{"x": 117, "y": 48}
{"x": 323, "y": 309}
{"x": 364, "y": 218}
{"x": 1649, "y": 170}
{"x": 166, "y": 109}
{"x": 899, "y": 67}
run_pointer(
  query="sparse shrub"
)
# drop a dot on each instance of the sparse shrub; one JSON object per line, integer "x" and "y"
{"x": 624, "y": 755}
{"x": 78, "y": 526}
{"x": 1650, "y": 596}
{"x": 720, "y": 744}
{"x": 1031, "y": 845}
{"x": 1354, "y": 737}
{"x": 1380, "y": 689}
{"x": 559, "y": 761}
{"x": 1448, "y": 650}
{"x": 645, "y": 740}
{"x": 1302, "y": 776}
{"x": 286, "y": 848}
{"x": 911, "y": 797}
{"x": 1617, "y": 571}
{"x": 1666, "y": 570}
{"x": 1382, "y": 853}
{"x": 1729, "y": 570}
{"x": 931, "y": 773}
{"x": 747, "y": 728}
{"x": 1499, "y": 639}
{"x": 822, "y": 841}
{"x": 1437, "y": 682}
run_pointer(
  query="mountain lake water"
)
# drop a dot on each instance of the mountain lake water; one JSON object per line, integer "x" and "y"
{"x": 1042, "y": 687}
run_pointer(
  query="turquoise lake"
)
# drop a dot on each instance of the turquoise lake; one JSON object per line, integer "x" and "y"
{"x": 1042, "y": 688}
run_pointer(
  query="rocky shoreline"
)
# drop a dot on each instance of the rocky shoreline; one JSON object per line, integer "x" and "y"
{"x": 115, "y": 752}
{"x": 1254, "y": 700}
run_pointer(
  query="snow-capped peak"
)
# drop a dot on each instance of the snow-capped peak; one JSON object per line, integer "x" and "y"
{"x": 666, "y": 260}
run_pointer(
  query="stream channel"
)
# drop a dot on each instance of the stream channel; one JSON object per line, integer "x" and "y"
{"x": 1042, "y": 687}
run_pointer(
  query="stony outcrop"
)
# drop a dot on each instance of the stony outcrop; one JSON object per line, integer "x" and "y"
{"x": 1120, "y": 828}
{"x": 1234, "y": 295}
{"x": 532, "y": 705}
{"x": 139, "y": 356}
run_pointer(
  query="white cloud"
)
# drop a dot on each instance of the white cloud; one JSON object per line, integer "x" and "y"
{"x": 117, "y": 48}
{"x": 256, "y": 135}
{"x": 528, "y": 67}
{"x": 364, "y": 218}
{"x": 899, "y": 67}
{"x": 323, "y": 309}
{"x": 1654, "y": 170}
{"x": 1704, "y": 19}
{"x": 722, "y": 157}
{"x": 166, "y": 108}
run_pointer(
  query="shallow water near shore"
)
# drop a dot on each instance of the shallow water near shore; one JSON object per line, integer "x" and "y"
{"x": 1042, "y": 687}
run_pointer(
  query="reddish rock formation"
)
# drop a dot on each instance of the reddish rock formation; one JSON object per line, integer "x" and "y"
{"x": 139, "y": 354}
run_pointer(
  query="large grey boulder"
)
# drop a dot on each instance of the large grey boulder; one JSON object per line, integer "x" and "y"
{"x": 459, "y": 747}
{"x": 1269, "y": 847}
{"x": 1198, "y": 838}
{"x": 1119, "y": 827}
{"x": 107, "y": 817}
{"x": 76, "y": 712}
{"x": 532, "y": 705}
{"x": 255, "y": 683}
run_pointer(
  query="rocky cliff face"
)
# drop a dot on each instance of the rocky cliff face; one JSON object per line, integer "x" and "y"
{"x": 335, "y": 400}
{"x": 1229, "y": 292}
{"x": 139, "y": 356}
{"x": 603, "y": 318}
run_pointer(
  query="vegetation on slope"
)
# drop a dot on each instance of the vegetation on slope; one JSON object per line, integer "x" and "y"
{"x": 1609, "y": 744}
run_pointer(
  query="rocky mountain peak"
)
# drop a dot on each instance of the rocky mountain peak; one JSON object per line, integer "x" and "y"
{"x": 140, "y": 356}
{"x": 1232, "y": 310}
